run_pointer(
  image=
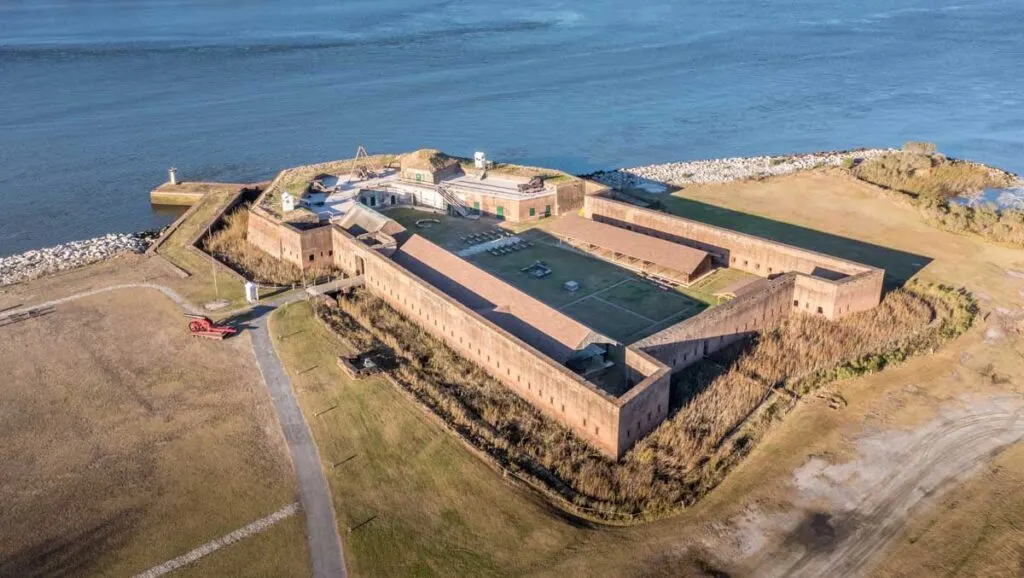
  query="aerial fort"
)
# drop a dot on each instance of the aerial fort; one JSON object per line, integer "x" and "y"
{"x": 608, "y": 380}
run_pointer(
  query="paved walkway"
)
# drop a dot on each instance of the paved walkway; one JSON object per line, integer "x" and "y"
{"x": 314, "y": 493}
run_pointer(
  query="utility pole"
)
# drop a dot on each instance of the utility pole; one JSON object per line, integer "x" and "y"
{"x": 213, "y": 265}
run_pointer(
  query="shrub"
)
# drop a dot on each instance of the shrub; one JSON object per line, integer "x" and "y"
{"x": 920, "y": 147}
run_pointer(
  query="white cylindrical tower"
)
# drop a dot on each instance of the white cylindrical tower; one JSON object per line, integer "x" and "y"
{"x": 172, "y": 175}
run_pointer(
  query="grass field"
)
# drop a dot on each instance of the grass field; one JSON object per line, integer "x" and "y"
{"x": 420, "y": 502}
{"x": 127, "y": 442}
{"x": 449, "y": 232}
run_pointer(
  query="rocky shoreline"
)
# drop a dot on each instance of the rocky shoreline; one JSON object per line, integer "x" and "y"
{"x": 39, "y": 262}
{"x": 651, "y": 177}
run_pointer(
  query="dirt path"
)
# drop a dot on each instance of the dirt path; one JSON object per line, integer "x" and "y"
{"x": 847, "y": 513}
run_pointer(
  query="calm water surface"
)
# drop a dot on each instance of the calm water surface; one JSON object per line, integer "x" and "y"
{"x": 98, "y": 98}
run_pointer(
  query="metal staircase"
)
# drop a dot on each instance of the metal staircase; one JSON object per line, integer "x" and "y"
{"x": 456, "y": 203}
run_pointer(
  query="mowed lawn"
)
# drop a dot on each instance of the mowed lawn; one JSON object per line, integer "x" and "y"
{"x": 591, "y": 274}
{"x": 410, "y": 499}
{"x": 127, "y": 442}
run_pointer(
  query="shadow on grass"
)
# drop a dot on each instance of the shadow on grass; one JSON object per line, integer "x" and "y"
{"x": 899, "y": 265}
{"x": 74, "y": 553}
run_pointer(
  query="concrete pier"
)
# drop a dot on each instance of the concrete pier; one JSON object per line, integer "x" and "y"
{"x": 188, "y": 193}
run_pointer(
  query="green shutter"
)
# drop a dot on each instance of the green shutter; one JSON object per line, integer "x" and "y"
{"x": 501, "y": 212}
{"x": 532, "y": 211}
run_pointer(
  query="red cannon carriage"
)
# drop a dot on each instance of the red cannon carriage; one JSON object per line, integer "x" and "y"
{"x": 202, "y": 326}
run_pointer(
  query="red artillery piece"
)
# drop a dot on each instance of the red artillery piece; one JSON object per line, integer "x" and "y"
{"x": 202, "y": 326}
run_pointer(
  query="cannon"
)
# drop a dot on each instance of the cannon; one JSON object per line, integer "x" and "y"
{"x": 202, "y": 326}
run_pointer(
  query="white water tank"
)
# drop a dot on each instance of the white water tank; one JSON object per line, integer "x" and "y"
{"x": 480, "y": 160}
{"x": 287, "y": 202}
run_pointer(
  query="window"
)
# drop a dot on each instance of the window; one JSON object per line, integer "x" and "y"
{"x": 330, "y": 253}
{"x": 533, "y": 211}
{"x": 373, "y": 201}
{"x": 547, "y": 210}
{"x": 659, "y": 408}
{"x": 820, "y": 311}
{"x": 597, "y": 431}
{"x": 629, "y": 433}
{"x": 796, "y": 303}
{"x": 563, "y": 408}
{"x": 648, "y": 417}
{"x": 501, "y": 212}
{"x": 311, "y": 257}
{"x": 552, "y": 400}
{"x": 744, "y": 262}
{"x": 394, "y": 200}
{"x": 584, "y": 422}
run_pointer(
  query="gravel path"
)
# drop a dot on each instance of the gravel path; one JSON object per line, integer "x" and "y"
{"x": 214, "y": 545}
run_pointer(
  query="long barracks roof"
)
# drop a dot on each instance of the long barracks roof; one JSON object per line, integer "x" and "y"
{"x": 644, "y": 247}
{"x": 546, "y": 329}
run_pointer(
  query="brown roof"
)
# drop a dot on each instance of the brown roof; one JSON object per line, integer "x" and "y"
{"x": 644, "y": 247}
{"x": 546, "y": 329}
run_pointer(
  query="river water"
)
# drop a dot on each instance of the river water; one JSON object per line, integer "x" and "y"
{"x": 98, "y": 98}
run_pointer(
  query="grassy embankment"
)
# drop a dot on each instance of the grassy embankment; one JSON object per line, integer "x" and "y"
{"x": 296, "y": 180}
{"x": 178, "y": 250}
{"x": 930, "y": 181}
{"x": 417, "y": 502}
{"x": 685, "y": 457}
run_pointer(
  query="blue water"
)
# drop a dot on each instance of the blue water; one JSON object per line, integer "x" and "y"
{"x": 98, "y": 98}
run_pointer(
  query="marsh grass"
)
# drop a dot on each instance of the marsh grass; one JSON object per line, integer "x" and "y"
{"x": 231, "y": 246}
{"x": 930, "y": 181}
{"x": 929, "y": 175}
{"x": 728, "y": 402}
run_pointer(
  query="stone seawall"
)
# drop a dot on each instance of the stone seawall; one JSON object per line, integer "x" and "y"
{"x": 39, "y": 262}
{"x": 725, "y": 170}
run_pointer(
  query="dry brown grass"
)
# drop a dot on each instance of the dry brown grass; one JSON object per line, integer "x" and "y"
{"x": 128, "y": 442}
{"x": 229, "y": 244}
{"x": 929, "y": 175}
{"x": 681, "y": 460}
